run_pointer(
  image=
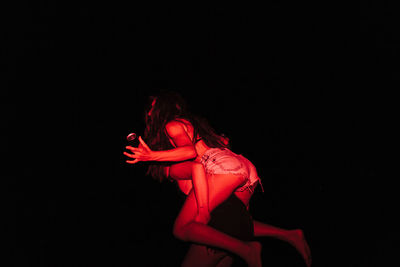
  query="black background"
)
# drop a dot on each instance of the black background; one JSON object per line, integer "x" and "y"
{"x": 301, "y": 89}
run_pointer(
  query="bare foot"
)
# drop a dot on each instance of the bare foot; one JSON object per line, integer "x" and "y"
{"x": 253, "y": 258}
{"x": 298, "y": 240}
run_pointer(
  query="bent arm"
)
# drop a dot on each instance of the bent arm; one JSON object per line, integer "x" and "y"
{"x": 184, "y": 149}
{"x": 176, "y": 154}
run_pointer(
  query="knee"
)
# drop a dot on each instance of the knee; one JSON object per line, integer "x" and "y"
{"x": 179, "y": 232}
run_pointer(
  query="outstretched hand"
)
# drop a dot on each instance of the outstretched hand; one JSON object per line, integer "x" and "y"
{"x": 141, "y": 153}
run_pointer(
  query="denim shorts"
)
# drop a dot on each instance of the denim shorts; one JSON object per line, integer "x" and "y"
{"x": 224, "y": 161}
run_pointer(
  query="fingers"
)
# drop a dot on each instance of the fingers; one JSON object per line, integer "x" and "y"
{"x": 133, "y": 149}
{"x": 143, "y": 143}
{"x": 136, "y": 157}
{"x": 130, "y": 155}
{"x": 132, "y": 161}
{"x": 139, "y": 153}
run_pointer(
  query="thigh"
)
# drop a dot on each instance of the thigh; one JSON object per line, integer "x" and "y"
{"x": 226, "y": 261}
{"x": 181, "y": 171}
{"x": 220, "y": 187}
{"x": 200, "y": 256}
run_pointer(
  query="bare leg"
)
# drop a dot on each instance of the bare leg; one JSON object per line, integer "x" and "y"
{"x": 182, "y": 174}
{"x": 192, "y": 173}
{"x": 200, "y": 186}
{"x": 220, "y": 187}
{"x": 181, "y": 171}
{"x": 199, "y": 256}
{"x": 293, "y": 237}
{"x": 225, "y": 261}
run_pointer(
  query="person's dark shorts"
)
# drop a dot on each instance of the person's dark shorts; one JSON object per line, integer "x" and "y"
{"x": 232, "y": 218}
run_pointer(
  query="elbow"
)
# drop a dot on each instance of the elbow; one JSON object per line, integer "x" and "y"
{"x": 192, "y": 153}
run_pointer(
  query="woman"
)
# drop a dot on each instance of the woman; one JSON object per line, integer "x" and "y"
{"x": 178, "y": 136}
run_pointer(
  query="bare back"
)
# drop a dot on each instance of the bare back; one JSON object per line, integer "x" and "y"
{"x": 199, "y": 145}
{"x": 182, "y": 171}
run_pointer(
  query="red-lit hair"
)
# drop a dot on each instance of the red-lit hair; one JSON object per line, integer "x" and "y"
{"x": 171, "y": 106}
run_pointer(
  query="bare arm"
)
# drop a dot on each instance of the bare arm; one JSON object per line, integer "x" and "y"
{"x": 184, "y": 149}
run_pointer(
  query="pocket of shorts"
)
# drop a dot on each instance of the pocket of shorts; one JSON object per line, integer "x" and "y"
{"x": 229, "y": 164}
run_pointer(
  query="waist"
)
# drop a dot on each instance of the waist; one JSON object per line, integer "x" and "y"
{"x": 211, "y": 152}
{"x": 201, "y": 149}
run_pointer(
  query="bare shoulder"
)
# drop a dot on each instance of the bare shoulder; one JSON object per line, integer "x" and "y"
{"x": 175, "y": 127}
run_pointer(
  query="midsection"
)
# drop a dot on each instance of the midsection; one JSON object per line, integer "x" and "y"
{"x": 200, "y": 148}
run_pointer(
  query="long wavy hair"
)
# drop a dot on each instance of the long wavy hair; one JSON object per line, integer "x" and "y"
{"x": 169, "y": 106}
